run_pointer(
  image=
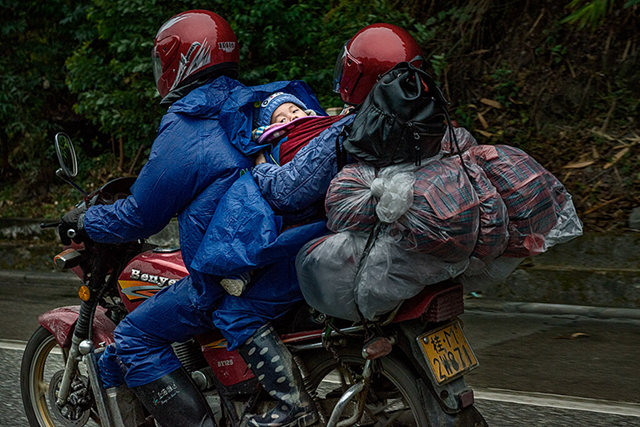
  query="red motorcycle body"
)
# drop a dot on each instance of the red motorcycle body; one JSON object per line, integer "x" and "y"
{"x": 149, "y": 272}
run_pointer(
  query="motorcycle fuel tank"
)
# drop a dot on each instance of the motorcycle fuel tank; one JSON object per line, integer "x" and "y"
{"x": 148, "y": 273}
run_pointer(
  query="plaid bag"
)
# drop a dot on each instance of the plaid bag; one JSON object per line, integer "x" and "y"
{"x": 442, "y": 221}
{"x": 494, "y": 220}
{"x": 444, "y": 218}
{"x": 533, "y": 196}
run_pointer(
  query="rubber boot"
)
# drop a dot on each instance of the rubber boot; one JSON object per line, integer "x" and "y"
{"x": 175, "y": 401}
{"x": 272, "y": 363}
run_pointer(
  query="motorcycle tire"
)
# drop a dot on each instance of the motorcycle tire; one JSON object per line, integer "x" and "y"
{"x": 41, "y": 371}
{"x": 393, "y": 396}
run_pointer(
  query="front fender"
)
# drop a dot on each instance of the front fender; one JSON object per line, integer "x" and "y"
{"x": 60, "y": 322}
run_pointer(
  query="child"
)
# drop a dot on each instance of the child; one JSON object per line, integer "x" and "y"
{"x": 276, "y": 111}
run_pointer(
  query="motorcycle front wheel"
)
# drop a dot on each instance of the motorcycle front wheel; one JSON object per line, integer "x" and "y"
{"x": 41, "y": 372}
{"x": 393, "y": 398}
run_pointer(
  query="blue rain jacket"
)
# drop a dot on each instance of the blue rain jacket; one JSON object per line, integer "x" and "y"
{"x": 305, "y": 179}
{"x": 200, "y": 152}
{"x": 246, "y": 230}
{"x": 201, "y": 149}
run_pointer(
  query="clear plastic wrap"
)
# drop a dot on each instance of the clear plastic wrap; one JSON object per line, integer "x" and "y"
{"x": 441, "y": 223}
{"x": 442, "y": 219}
{"x": 480, "y": 276}
{"x": 330, "y": 282}
{"x": 445, "y": 216}
{"x": 390, "y": 274}
{"x": 568, "y": 225}
{"x": 327, "y": 269}
{"x": 493, "y": 234}
{"x": 350, "y": 202}
{"x": 465, "y": 141}
{"x": 535, "y": 199}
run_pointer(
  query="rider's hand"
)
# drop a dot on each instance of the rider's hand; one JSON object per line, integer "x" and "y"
{"x": 73, "y": 220}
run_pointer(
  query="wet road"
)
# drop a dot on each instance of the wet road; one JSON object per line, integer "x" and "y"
{"x": 534, "y": 370}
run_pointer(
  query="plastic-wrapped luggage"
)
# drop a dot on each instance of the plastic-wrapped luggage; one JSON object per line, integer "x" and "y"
{"x": 331, "y": 282}
{"x": 534, "y": 197}
{"x": 464, "y": 138}
{"x": 432, "y": 208}
{"x": 493, "y": 234}
{"x": 442, "y": 220}
{"x": 445, "y": 219}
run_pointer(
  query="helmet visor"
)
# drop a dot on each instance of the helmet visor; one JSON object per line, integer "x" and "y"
{"x": 157, "y": 65}
{"x": 346, "y": 74}
{"x": 339, "y": 68}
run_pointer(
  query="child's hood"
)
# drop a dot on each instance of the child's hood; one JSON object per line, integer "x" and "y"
{"x": 236, "y": 114}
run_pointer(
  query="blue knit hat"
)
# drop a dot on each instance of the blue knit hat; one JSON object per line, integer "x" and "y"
{"x": 269, "y": 105}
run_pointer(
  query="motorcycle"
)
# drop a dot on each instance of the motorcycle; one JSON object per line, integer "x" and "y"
{"x": 405, "y": 369}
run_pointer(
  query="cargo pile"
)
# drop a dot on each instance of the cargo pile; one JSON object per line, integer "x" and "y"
{"x": 471, "y": 219}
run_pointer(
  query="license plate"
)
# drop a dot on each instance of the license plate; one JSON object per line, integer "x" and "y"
{"x": 448, "y": 352}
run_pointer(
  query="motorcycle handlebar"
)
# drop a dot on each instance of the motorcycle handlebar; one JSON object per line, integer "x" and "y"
{"x": 49, "y": 225}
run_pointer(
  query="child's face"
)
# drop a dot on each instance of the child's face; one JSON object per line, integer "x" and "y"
{"x": 286, "y": 113}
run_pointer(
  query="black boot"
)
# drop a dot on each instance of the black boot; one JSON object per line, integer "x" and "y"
{"x": 175, "y": 401}
{"x": 272, "y": 363}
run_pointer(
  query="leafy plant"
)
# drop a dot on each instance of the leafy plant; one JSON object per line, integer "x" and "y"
{"x": 504, "y": 85}
{"x": 439, "y": 65}
{"x": 558, "y": 52}
{"x": 591, "y": 13}
{"x": 37, "y": 37}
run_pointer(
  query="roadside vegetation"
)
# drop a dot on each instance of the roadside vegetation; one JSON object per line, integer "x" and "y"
{"x": 559, "y": 79}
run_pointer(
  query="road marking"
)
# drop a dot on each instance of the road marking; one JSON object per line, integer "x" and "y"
{"x": 12, "y": 345}
{"x": 558, "y": 401}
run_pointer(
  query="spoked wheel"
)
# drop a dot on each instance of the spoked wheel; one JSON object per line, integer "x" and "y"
{"x": 40, "y": 377}
{"x": 393, "y": 398}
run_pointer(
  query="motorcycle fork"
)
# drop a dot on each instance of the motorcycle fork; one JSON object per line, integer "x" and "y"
{"x": 82, "y": 346}
{"x": 74, "y": 357}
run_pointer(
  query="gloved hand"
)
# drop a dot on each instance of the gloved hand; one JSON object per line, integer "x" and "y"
{"x": 73, "y": 220}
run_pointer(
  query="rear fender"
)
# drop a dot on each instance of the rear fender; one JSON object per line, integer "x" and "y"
{"x": 60, "y": 322}
{"x": 468, "y": 416}
{"x": 436, "y": 303}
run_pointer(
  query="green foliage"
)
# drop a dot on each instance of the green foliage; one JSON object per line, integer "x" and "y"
{"x": 83, "y": 66}
{"x": 36, "y": 38}
{"x": 505, "y": 87}
{"x": 588, "y": 13}
{"x": 439, "y": 66}
{"x": 279, "y": 40}
{"x": 558, "y": 51}
{"x": 552, "y": 47}
{"x": 591, "y": 13}
{"x": 111, "y": 71}
{"x": 283, "y": 40}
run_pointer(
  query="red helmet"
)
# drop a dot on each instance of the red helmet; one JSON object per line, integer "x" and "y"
{"x": 190, "y": 45}
{"x": 373, "y": 51}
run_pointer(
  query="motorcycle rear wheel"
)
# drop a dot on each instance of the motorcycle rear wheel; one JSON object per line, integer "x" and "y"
{"x": 393, "y": 397}
{"x": 42, "y": 364}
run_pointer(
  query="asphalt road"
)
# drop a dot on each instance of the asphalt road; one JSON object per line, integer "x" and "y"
{"x": 534, "y": 370}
